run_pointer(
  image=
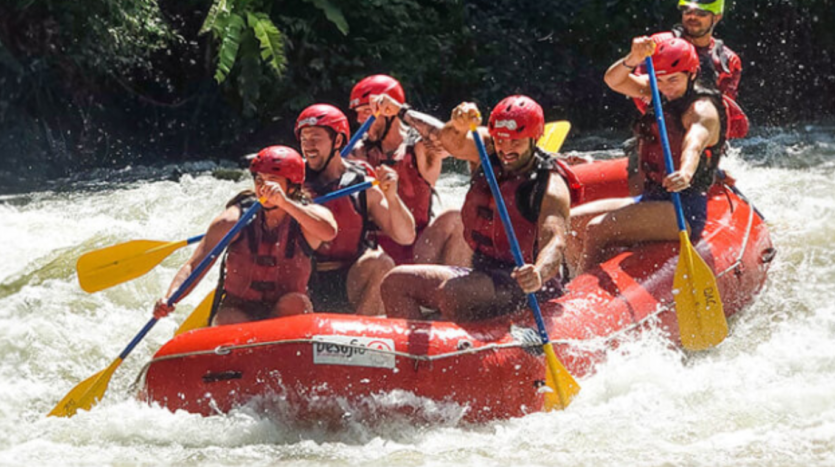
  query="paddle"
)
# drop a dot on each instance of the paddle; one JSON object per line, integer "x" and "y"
{"x": 104, "y": 268}
{"x": 199, "y": 317}
{"x": 554, "y": 136}
{"x": 701, "y": 317}
{"x": 560, "y": 380}
{"x": 90, "y": 391}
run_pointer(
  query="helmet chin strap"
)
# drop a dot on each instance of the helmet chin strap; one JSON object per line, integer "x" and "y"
{"x": 334, "y": 151}
{"x": 379, "y": 142}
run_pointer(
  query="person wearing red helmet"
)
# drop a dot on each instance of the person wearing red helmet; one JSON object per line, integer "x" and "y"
{"x": 538, "y": 190}
{"x": 266, "y": 267}
{"x": 349, "y": 268}
{"x": 695, "y": 119}
{"x": 407, "y": 140}
{"x": 719, "y": 65}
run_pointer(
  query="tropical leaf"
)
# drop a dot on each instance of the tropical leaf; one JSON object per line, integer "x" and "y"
{"x": 228, "y": 52}
{"x": 218, "y": 7}
{"x": 270, "y": 39}
{"x": 333, "y": 13}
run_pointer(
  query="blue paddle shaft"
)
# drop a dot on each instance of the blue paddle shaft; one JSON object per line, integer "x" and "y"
{"x": 487, "y": 168}
{"x": 194, "y": 239}
{"x": 665, "y": 142}
{"x": 357, "y": 136}
{"x": 350, "y": 190}
{"x": 198, "y": 271}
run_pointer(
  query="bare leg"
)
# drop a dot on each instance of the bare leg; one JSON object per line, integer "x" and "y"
{"x": 459, "y": 295}
{"x": 580, "y": 217}
{"x": 641, "y": 222}
{"x": 443, "y": 242}
{"x": 406, "y": 289}
{"x": 364, "y": 280}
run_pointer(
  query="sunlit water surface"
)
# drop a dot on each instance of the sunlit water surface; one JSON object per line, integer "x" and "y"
{"x": 765, "y": 397}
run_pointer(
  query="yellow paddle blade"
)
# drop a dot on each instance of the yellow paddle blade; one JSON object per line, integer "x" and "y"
{"x": 554, "y": 136}
{"x": 701, "y": 316}
{"x": 561, "y": 385}
{"x": 101, "y": 269}
{"x": 199, "y": 318}
{"x": 86, "y": 394}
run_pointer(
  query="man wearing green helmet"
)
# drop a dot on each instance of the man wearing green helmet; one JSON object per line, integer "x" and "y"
{"x": 698, "y": 19}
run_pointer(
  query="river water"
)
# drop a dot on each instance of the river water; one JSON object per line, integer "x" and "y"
{"x": 765, "y": 397}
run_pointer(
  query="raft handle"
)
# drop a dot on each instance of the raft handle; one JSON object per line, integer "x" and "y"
{"x": 768, "y": 255}
{"x": 222, "y": 376}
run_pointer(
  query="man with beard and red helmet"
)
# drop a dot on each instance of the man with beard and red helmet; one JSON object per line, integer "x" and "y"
{"x": 719, "y": 65}
{"x": 267, "y": 265}
{"x": 407, "y": 140}
{"x": 538, "y": 190}
{"x": 349, "y": 268}
{"x": 695, "y": 119}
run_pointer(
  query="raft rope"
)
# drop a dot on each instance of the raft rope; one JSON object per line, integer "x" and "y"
{"x": 465, "y": 348}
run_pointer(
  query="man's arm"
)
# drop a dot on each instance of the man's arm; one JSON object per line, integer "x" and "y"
{"x": 388, "y": 211}
{"x": 619, "y": 76}
{"x": 429, "y": 151}
{"x": 552, "y": 227}
{"x": 456, "y": 137}
{"x": 219, "y": 227}
{"x": 701, "y": 122}
{"x": 317, "y": 222}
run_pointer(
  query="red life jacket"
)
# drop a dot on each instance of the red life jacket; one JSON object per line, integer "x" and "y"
{"x": 263, "y": 265}
{"x": 650, "y": 151}
{"x": 522, "y": 194}
{"x": 351, "y": 215}
{"x": 721, "y": 65}
{"x": 412, "y": 188}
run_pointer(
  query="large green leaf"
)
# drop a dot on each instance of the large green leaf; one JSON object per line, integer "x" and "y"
{"x": 333, "y": 13}
{"x": 229, "y": 47}
{"x": 270, "y": 39}
{"x": 219, "y": 7}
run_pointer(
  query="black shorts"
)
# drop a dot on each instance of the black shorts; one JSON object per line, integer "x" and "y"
{"x": 328, "y": 291}
{"x": 255, "y": 310}
{"x": 693, "y": 204}
{"x": 509, "y": 296}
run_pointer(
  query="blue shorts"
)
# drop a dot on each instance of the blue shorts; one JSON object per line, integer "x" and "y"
{"x": 693, "y": 203}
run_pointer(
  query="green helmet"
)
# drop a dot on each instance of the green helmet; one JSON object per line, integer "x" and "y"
{"x": 717, "y": 7}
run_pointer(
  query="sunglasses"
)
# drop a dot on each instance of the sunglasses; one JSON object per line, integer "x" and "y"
{"x": 695, "y": 11}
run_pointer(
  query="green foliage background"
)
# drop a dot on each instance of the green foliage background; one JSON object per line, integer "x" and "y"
{"x": 113, "y": 82}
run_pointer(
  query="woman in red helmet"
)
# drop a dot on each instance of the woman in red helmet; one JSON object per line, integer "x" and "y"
{"x": 267, "y": 266}
{"x": 348, "y": 272}
{"x": 696, "y": 123}
{"x": 537, "y": 189}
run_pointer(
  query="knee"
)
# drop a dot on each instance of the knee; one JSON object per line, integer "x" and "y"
{"x": 293, "y": 304}
{"x": 393, "y": 285}
{"x": 380, "y": 264}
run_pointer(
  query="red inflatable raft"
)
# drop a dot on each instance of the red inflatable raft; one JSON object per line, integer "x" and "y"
{"x": 327, "y": 366}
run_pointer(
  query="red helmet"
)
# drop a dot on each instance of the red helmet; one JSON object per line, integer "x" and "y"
{"x": 517, "y": 117}
{"x": 279, "y": 160}
{"x": 376, "y": 84}
{"x": 675, "y": 55}
{"x": 324, "y": 115}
